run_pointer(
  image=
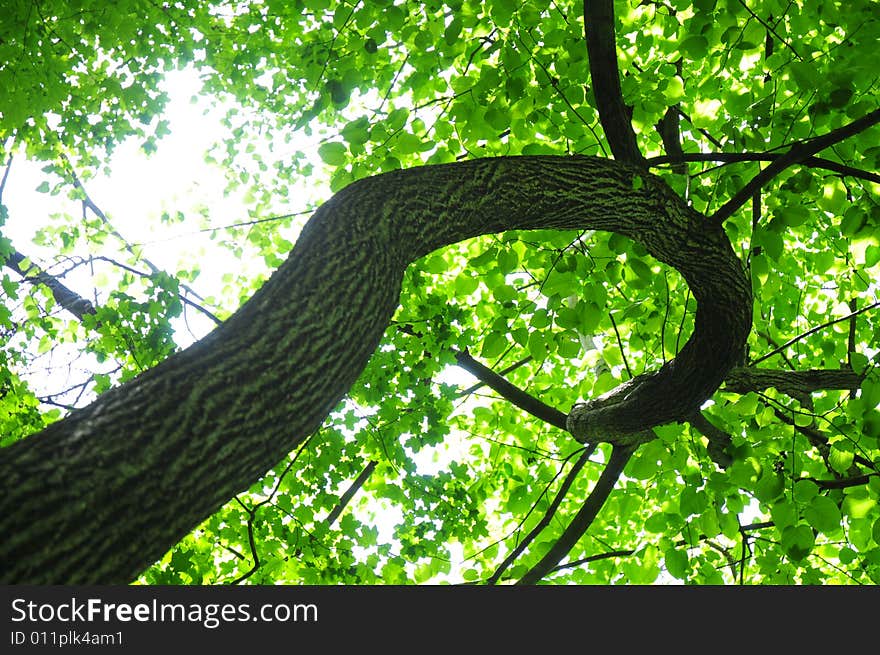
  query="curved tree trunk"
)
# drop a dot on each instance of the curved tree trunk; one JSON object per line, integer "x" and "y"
{"x": 102, "y": 494}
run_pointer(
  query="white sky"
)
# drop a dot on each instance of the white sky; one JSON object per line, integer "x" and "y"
{"x": 140, "y": 188}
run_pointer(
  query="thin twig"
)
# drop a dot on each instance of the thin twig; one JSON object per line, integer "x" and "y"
{"x": 252, "y": 513}
{"x": 548, "y": 515}
{"x": 620, "y": 455}
{"x": 771, "y": 29}
{"x": 620, "y": 345}
{"x": 812, "y": 331}
{"x": 88, "y": 202}
{"x": 5, "y": 177}
{"x": 738, "y": 157}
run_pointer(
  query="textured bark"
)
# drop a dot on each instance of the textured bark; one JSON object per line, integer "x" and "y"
{"x": 604, "y": 73}
{"x": 791, "y": 383}
{"x": 100, "y": 495}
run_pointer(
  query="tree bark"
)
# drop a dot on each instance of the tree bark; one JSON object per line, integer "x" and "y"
{"x": 100, "y": 495}
{"x": 791, "y": 383}
{"x": 614, "y": 115}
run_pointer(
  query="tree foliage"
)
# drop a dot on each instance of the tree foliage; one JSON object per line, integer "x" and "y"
{"x": 757, "y": 114}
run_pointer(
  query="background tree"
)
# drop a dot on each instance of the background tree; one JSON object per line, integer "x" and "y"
{"x": 659, "y": 218}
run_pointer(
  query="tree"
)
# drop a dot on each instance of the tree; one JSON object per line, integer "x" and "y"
{"x": 660, "y": 217}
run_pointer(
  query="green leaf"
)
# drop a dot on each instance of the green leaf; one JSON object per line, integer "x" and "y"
{"x": 674, "y": 90}
{"x": 656, "y": 523}
{"x": 676, "y": 562}
{"x": 561, "y": 284}
{"x": 691, "y": 501}
{"x": 538, "y": 346}
{"x": 840, "y": 460}
{"x": 356, "y": 132}
{"x": 520, "y": 335}
{"x": 797, "y": 541}
{"x": 823, "y": 514}
{"x": 769, "y": 487}
{"x": 641, "y": 269}
{"x": 645, "y": 463}
{"x": 840, "y": 97}
{"x": 540, "y": 319}
{"x": 805, "y": 490}
{"x": 333, "y": 153}
{"x": 465, "y": 285}
{"x": 870, "y": 390}
{"x": 668, "y": 433}
{"x": 854, "y": 219}
{"x": 450, "y": 35}
{"x": 408, "y": 143}
{"x": 773, "y": 244}
{"x": 694, "y": 47}
{"x": 784, "y": 514}
{"x": 493, "y": 345}
{"x": 508, "y": 260}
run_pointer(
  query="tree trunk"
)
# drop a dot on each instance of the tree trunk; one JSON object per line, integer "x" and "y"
{"x": 100, "y": 495}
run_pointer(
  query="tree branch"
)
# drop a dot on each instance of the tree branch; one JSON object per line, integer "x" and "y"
{"x": 798, "y": 152}
{"x": 819, "y": 441}
{"x": 812, "y": 331}
{"x": 843, "y": 483}
{"x": 498, "y": 383}
{"x": 792, "y": 383}
{"x": 770, "y": 29}
{"x": 64, "y": 296}
{"x": 346, "y": 497}
{"x": 851, "y": 338}
{"x": 702, "y": 130}
{"x": 510, "y": 392}
{"x": 736, "y": 157}
{"x": 72, "y": 301}
{"x": 5, "y": 177}
{"x": 594, "y": 558}
{"x": 620, "y": 346}
{"x": 605, "y": 76}
{"x": 474, "y": 387}
{"x": 668, "y": 129}
{"x": 183, "y": 298}
{"x": 548, "y": 515}
{"x": 627, "y": 552}
{"x": 252, "y": 514}
{"x": 620, "y": 455}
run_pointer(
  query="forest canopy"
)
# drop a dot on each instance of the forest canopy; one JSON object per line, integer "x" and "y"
{"x": 619, "y": 258}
